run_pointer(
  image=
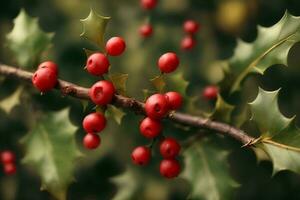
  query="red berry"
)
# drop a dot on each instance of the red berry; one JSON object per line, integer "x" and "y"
{"x": 150, "y": 128}
{"x": 148, "y": 4}
{"x": 141, "y": 155}
{"x": 7, "y": 157}
{"x": 174, "y": 99}
{"x": 190, "y": 26}
{"x": 115, "y": 46}
{"x": 49, "y": 64}
{"x": 146, "y": 30}
{"x": 97, "y": 64}
{"x": 210, "y": 92}
{"x": 188, "y": 43}
{"x": 168, "y": 62}
{"x": 102, "y": 92}
{"x": 94, "y": 122}
{"x": 44, "y": 79}
{"x": 156, "y": 106}
{"x": 169, "y": 168}
{"x": 9, "y": 168}
{"x": 91, "y": 141}
{"x": 169, "y": 148}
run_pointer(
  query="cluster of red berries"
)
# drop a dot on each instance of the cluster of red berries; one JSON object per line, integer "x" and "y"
{"x": 190, "y": 27}
{"x": 158, "y": 106}
{"x": 45, "y": 77}
{"x": 146, "y": 30}
{"x": 8, "y": 160}
{"x": 102, "y": 92}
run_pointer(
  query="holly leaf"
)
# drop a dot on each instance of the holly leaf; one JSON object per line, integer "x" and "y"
{"x": 207, "y": 171}
{"x": 128, "y": 185}
{"x": 178, "y": 83}
{"x": 119, "y": 81}
{"x": 50, "y": 148}
{"x": 222, "y": 110}
{"x": 94, "y": 28}
{"x": 271, "y": 47}
{"x": 266, "y": 114}
{"x": 116, "y": 113}
{"x": 27, "y": 41}
{"x": 159, "y": 83}
{"x": 11, "y": 101}
{"x": 280, "y": 138}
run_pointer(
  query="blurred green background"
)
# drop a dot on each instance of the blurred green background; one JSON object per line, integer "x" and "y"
{"x": 222, "y": 21}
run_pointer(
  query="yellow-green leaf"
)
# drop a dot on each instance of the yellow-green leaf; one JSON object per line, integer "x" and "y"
{"x": 178, "y": 83}
{"x": 119, "y": 81}
{"x": 50, "y": 149}
{"x": 94, "y": 28}
{"x": 115, "y": 113}
{"x": 27, "y": 41}
{"x": 11, "y": 101}
{"x": 159, "y": 83}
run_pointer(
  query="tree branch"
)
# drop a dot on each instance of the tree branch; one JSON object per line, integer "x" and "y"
{"x": 76, "y": 91}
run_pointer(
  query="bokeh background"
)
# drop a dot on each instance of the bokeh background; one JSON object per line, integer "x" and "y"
{"x": 222, "y": 21}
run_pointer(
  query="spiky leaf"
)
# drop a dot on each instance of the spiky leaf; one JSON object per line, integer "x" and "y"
{"x": 119, "y": 81}
{"x": 94, "y": 28}
{"x": 178, "y": 83}
{"x": 207, "y": 171}
{"x": 280, "y": 139}
{"x": 11, "y": 101}
{"x": 51, "y": 150}
{"x": 270, "y": 47}
{"x": 115, "y": 113}
{"x": 159, "y": 83}
{"x": 222, "y": 110}
{"x": 27, "y": 41}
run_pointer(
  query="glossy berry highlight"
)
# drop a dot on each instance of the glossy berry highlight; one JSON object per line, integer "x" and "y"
{"x": 168, "y": 62}
{"x": 169, "y": 148}
{"x": 141, "y": 155}
{"x": 169, "y": 168}
{"x": 91, "y": 141}
{"x": 97, "y": 64}
{"x": 188, "y": 43}
{"x": 102, "y": 92}
{"x": 157, "y": 106}
{"x": 7, "y": 157}
{"x": 150, "y": 128}
{"x": 210, "y": 92}
{"x": 50, "y": 65}
{"x": 44, "y": 79}
{"x": 191, "y": 26}
{"x": 174, "y": 100}
{"x": 148, "y": 4}
{"x": 146, "y": 30}
{"x": 94, "y": 122}
{"x": 115, "y": 46}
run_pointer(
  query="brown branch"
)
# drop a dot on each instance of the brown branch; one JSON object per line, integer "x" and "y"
{"x": 76, "y": 91}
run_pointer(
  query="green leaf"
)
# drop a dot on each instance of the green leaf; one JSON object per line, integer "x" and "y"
{"x": 116, "y": 113}
{"x": 50, "y": 148}
{"x": 27, "y": 41}
{"x": 266, "y": 114}
{"x": 222, "y": 110}
{"x": 94, "y": 28}
{"x": 11, "y": 101}
{"x": 159, "y": 83}
{"x": 207, "y": 171}
{"x": 119, "y": 81}
{"x": 178, "y": 83}
{"x": 270, "y": 47}
{"x": 128, "y": 185}
{"x": 280, "y": 139}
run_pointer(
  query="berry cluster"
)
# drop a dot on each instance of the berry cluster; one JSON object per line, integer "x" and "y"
{"x": 146, "y": 30}
{"x": 190, "y": 27}
{"x": 157, "y": 107}
{"x": 102, "y": 92}
{"x": 45, "y": 77}
{"x": 8, "y": 159}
